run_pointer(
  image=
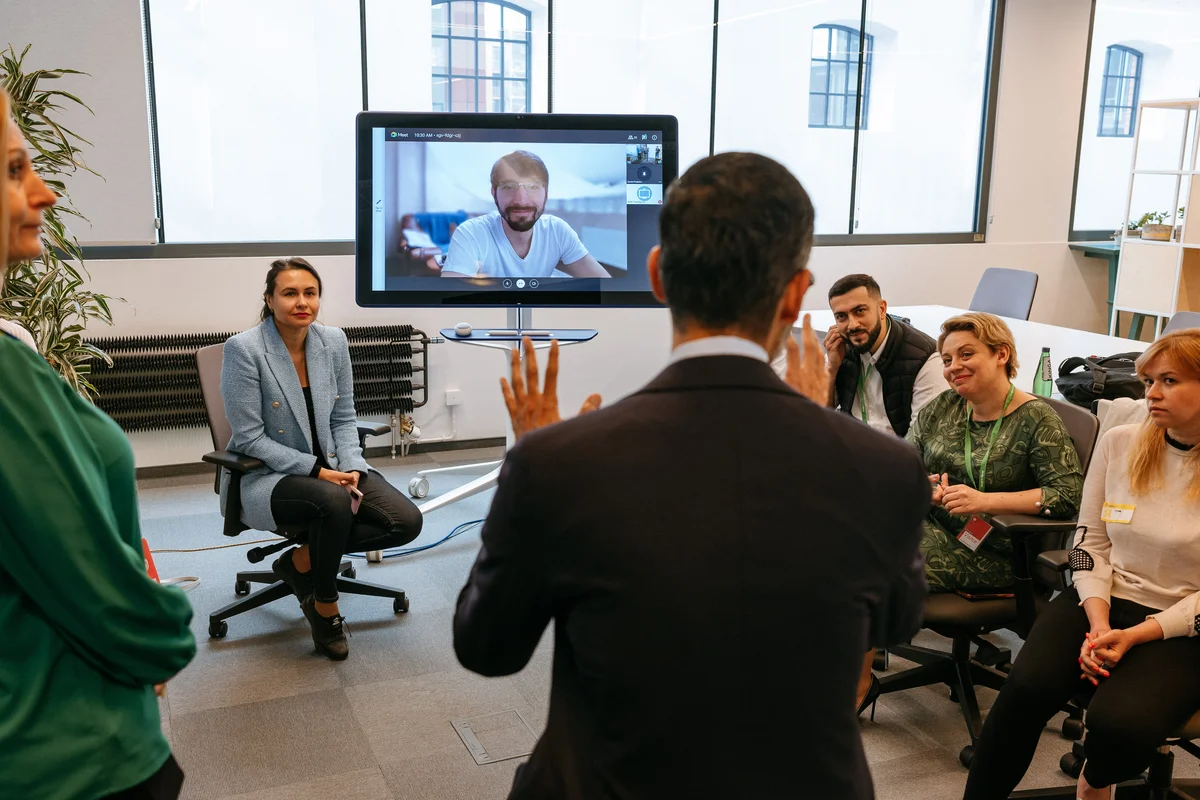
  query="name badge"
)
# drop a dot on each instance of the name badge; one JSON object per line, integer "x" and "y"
{"x": 974, "y": 532}
{"x": 1115, "y": 512}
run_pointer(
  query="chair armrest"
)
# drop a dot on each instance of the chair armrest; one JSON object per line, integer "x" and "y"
{"x": 1031, "y": 524}
{"x": 366, "y": 429}
{"x": 234, "y": 462}
{"x": 1056, "y": 560}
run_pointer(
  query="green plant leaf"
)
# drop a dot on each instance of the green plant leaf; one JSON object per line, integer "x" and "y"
{"x": 47, "y": 295}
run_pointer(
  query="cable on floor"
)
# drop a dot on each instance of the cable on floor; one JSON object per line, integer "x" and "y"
{"x": 408, "y": 551}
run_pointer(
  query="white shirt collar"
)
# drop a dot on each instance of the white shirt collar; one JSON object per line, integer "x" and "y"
{"x": 870, "y": 358}
{"x": 719, "y": 346}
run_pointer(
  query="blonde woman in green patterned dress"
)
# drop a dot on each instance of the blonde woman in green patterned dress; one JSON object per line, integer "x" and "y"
{"x": 991, "y": 449}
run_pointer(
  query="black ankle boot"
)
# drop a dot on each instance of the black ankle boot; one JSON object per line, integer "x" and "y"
{"x": 328, "y": 633}
{"x": 300, "y": 582}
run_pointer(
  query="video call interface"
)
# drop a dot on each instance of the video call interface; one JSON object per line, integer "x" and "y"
{"x": 514, "y": 209}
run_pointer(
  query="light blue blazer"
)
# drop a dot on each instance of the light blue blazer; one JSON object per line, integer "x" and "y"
{"x": 265, "y": 407}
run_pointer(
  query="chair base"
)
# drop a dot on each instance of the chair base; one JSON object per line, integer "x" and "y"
{"x": 276, "y": 589}
{"x": 956, "y": 670}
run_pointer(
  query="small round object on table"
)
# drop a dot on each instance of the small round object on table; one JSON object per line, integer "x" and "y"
{"x": 462, "y": 329}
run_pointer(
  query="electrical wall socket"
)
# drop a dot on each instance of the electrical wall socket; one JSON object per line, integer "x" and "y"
{"x": 453, "y": 397}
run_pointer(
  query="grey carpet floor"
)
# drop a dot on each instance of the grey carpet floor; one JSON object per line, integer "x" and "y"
{"x": 258, "y": 716}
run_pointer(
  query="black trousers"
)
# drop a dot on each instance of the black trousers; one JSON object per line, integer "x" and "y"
{"x": 333, "y": 531}
{"x": 162, "y": 785}
{"x": 1150, "y": 694}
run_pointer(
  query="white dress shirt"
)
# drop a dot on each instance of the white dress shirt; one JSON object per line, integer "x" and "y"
{"x": 929, "y": 384}
{"x": 719, "y": 346}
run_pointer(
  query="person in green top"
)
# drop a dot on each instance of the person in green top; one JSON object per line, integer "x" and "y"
{"x": 991, "y": 449}
{"x": 87, "y": 634}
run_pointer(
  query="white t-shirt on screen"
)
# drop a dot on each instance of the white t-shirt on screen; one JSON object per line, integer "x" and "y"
{"x": 479, "y": 247}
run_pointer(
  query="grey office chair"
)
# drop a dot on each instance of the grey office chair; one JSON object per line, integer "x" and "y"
{"x": 208, "y": 360}
{"x": 963, "y": 621}
{"x": 1005, "y": 292}
{"x": 1182, "y": 320}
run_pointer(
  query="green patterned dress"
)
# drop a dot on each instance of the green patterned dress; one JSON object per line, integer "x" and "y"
{"x": 1032, "y": 450}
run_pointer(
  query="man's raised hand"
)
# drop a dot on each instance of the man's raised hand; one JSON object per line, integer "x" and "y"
{"x": 529, "y": 407}
{"x": 807, "y": 373}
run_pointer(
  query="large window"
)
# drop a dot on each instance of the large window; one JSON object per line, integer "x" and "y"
{"x": 1119, "y": 91}
{"x": 256, "y": 132}
{"x": 918, "y": 167}
{"x": 255, "y": 102}
{"x": 833, "y": 79}
{"x": 1140, "y": 51}
{"x": 481, "y": 56}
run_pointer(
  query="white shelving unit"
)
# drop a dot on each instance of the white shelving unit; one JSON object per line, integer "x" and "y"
{"x": 1157, "y": 279}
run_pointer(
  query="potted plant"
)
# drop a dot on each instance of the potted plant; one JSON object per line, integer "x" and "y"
{"x": 1179, "y": 225}
{"x": 1153, "y": 228}
{"x": 47, "y": 295}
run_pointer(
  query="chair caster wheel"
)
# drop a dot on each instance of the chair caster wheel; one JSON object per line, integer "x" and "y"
{"x": 1072, "y": 728}
{"x": 350, "y": 573}
{"x": 241, "y": 588}
{"x": 400, "y": 605}
{"x": 1071, "y": 765}
{"x": 418, "y": 487}
{"x": 374, "y": 556}
{"x": 953, "y": 695}
{"x": 217, "y": 630}
{"x": 880, "y": 663}
{"x": 965, "y": 755}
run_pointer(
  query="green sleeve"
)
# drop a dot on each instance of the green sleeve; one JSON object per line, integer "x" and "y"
{"x": 1055, "y": 465}
{"x": 68, "y": 525}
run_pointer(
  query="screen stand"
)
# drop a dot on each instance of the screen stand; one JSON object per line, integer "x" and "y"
{"x": 519, "y": 322}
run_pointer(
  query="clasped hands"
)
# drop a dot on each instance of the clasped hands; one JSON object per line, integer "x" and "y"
{"x": 958, "y": 498}
{"x": 1103, "y": 649}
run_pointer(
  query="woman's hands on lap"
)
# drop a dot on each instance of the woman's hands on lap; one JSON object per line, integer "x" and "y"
{"x": 340, "y": 478}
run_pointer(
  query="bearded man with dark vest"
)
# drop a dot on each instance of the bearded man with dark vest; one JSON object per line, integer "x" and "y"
{"x": 884, "y": 370}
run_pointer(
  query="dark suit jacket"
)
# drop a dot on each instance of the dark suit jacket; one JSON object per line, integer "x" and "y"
{"x": 717, "y": 554}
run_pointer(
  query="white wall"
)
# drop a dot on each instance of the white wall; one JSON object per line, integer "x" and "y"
{"x": 1040, "y": 90}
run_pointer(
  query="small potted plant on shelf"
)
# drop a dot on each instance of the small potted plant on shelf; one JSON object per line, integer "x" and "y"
{"x": 1153, "y": 228}
{"x": 1134, "y": 229}
{"x": 1179, "y": 225}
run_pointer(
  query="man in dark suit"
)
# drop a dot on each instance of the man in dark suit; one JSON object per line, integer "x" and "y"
{"x": 716, "y": 550}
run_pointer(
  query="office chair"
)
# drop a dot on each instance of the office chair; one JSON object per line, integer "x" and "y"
{"x": 963, "y": 621}
{"x": 1158, "y": 782}
{"x": 1181, "y": 320}
{"x": 1005, "y": 292}
{"x": 208, "y": 360}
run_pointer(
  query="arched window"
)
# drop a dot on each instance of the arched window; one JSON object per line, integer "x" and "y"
{"x": 481, "y": 59}
{"x": 1119, "y": 91}
{"x": 833, "y": 82}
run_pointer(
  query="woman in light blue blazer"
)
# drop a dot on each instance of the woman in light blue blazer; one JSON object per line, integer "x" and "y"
{"x": 289, "y": 395}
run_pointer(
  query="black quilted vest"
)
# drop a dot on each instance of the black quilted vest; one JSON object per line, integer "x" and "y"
{"x": 904, "y": 353}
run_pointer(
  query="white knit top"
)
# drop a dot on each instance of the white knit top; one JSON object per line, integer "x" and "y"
{"x": 1154, "y": 558}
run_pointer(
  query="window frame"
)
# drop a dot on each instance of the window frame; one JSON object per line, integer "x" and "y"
{"x": 863, "y": 46}
{"x": 1105, "y": 80}
{"x": 176, "y": 250}
{"x": 475, "y": 77}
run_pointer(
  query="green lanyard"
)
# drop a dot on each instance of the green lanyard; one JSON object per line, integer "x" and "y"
{"x": 991, "y": 441}
{"x": 862, "y": 392}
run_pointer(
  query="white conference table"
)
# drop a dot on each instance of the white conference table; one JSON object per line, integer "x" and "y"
{"x": 1030, "y": 337}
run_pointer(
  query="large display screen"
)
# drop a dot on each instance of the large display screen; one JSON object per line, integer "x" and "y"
{"x": 509, "y": 209}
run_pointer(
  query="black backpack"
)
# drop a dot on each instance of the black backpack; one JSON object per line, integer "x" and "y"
{"x": 1101, "y": 379}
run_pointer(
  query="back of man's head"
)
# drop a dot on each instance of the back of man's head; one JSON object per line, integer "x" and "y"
{"x": 849, "y": 283}
{"x": 734, "y": 230}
